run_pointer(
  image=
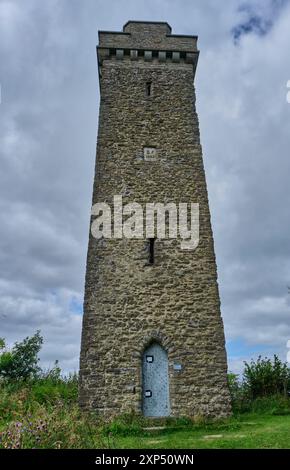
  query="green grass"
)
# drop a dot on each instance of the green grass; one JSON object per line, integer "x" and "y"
{"x": 245, "y": 432}
{"x": 44, "y": 414}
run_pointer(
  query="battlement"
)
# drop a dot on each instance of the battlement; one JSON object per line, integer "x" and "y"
{"x": 147, "y": 40}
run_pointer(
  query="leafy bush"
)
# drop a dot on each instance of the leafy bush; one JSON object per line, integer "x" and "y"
{"x": 241, "y": 402}
{"x": 263, "y": 388}
{"x": 21, "y": 363}
{"x": 265, "y": 377}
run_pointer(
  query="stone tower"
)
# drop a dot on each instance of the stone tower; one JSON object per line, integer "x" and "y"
{"x": 152, "y": 339}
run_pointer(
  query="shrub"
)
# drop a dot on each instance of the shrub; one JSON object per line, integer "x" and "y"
{"x": 263, "y": 388}
{"x": 21, "y": 363}
{"x": 265, "y": 377}
{"x": 241, "y": 401}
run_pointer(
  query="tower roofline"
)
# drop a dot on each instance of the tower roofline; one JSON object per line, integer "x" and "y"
{"x": 147, "y": 22}
{"x": 120, "y": 33}
{"x": 126, "y": 33}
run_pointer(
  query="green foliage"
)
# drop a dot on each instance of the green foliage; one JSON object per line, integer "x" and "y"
{"x": 43, "y": 413}
{"x": 240, "y": 398}
{"x": 38, "y": 409}
{"x": 21, "y": 363}
{"x": 6, "y": 364}
{"x": 17, "y": 398}
{"x": 271, "y": 405}
{"x": 57, "y": 427}
{"x": 265, "y": 377}
{"x": 234, "y": 385}
{"x": 48, "y": 390}
{"x": 263, "y": 388}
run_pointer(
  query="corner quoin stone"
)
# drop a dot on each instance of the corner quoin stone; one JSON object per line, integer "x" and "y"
{"x": 129, "y": 304}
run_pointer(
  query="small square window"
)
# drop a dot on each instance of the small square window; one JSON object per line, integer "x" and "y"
{"x": 148, "y": 393}
{"x": 149, "y": 358}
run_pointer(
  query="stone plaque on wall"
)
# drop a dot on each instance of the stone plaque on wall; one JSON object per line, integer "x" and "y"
{"x": 150, "y": 153}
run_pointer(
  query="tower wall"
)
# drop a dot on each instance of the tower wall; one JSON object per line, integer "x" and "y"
{"x": 128, "y": 302}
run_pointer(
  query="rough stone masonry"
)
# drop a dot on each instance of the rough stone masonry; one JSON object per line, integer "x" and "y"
{"x": 147, "y": 109}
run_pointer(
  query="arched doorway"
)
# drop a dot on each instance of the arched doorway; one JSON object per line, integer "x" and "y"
{"x": 155, "y": 399}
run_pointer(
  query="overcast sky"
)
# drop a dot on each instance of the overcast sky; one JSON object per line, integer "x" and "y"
{"x": 48, "y": 125}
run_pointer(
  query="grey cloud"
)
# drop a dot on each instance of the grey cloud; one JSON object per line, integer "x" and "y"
{"x": 258, "y": 17}
{"x": 48, "y": 125}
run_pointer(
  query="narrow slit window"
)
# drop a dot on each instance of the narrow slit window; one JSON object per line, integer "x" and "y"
{"x": 148, "y": 88}
{"x": 151, "y": 250}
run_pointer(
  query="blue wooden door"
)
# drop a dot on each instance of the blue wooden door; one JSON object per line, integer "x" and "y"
{"x": 155, "y": 381}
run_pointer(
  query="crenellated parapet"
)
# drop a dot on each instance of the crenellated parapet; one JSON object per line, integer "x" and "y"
{"x": 147, "y": 41}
